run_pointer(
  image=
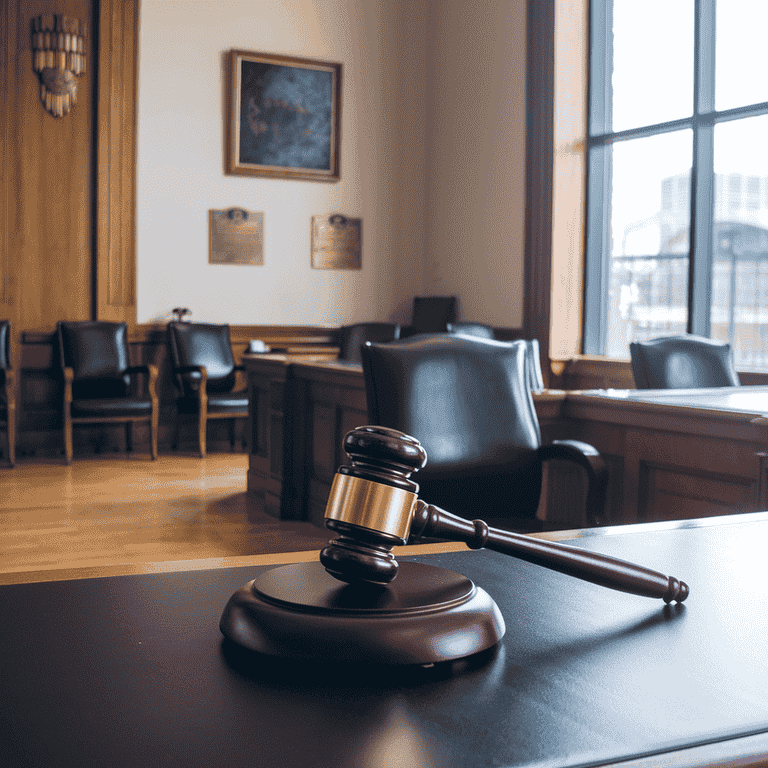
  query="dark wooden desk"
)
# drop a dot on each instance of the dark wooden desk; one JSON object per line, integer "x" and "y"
{"x": 673, "y": 454}
{"x": 676, "y": 454}
{"x": 301, "y": 408}
{"x": 132, "y": 671}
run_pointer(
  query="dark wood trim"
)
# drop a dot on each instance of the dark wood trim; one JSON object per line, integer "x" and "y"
{"x": 115, "y": 261}
{"x": 539, "y": 173}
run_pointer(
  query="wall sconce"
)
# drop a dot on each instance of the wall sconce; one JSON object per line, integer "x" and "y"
{"x": 58, "y": 57}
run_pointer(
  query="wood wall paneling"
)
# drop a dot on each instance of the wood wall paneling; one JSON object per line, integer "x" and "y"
{"x": 116, "y": 161}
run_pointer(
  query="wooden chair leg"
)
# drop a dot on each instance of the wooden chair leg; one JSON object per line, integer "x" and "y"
{"x": 10, "y": 434}
{"x": 128, "y": 436}
{"x": 232, "y": 424}
{"x": 68, "y": 438}
{"x": 154, "y": 424}
{"x": 201, "y": 425}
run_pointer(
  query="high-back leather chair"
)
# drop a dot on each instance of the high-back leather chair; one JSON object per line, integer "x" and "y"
{"x": 683, "y": 362}
{"x": 468, "y": 401}
{"x": 7, "y": 392}
{"x": 98, "y": 380}
{"x": 480, "y": 330}
{"x": 431, "y": 314}
{"x": 352, "y": 337}
{"x": 205, "y": 376}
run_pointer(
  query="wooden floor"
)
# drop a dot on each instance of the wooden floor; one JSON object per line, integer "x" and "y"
{"x": 121, "y": 509}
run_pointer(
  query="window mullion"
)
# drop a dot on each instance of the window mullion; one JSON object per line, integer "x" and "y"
{"x": 702, "y": 173}
{"x": 598, "y": 202}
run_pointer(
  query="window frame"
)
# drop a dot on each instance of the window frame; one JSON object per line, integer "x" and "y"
{"x": 600, "y": 138}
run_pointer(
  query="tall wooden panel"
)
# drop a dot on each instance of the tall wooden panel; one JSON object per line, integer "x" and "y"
{"x": 50, "y": 229}
{"x": 8, "y": 140}
{"x": 116, "y": 161}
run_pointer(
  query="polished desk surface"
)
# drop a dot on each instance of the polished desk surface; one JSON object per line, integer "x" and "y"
{"x": 132, "y": 671}
{"x": 747, "y": 399}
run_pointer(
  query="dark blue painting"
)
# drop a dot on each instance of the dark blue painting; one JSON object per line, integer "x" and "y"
{"x": 286, "y": 117}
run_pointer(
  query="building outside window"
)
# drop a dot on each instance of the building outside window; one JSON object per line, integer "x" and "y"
{"x": 677, "y": 196}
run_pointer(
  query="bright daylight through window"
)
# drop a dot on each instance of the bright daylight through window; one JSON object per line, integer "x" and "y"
{"x": 677, "y": 197}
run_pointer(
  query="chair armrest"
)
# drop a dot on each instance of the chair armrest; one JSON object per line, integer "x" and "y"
{"x": 150, "y": 371}
{"x": 199, "y": 385}
{"x": 587, "y": 457}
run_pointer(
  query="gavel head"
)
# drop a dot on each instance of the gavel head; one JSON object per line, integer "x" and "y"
{"x": 371, "y": 504}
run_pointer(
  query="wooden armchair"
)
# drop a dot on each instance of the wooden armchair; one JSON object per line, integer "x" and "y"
{"x": 99, "y": 382}
{"x": 205, "y": 376}
{"x": 7, "y": 391}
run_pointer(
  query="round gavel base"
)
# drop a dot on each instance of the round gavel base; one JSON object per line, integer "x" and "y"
{"x": 426, "y": 615}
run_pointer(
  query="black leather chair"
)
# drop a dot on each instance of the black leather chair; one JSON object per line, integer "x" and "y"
{"x": 431, "y": 314}
{"x": 99, "y": 384}
{"x": 352, "y": 337}
{"x": 480, "y": 330}
{"x": 682, "y": 362}
{"x": 469, "y": 402}
{"x": 533, "y": 365}
{"x": 7, "y": 392}
{"x": 205, "y": 375}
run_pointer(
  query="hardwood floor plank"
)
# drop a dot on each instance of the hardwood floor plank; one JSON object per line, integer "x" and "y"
{"x": 124, "y": 510}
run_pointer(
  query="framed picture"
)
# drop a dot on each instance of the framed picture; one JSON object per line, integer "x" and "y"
{"x": 236, "y": 237}
{"x": 284, "y": 117}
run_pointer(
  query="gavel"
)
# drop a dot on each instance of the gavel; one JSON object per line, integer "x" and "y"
{"x": 374, "y": 506}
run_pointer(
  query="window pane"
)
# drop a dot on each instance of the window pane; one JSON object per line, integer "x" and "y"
{"x": 650, "y": 220}
{"x": 652, "y": 62}
{"x": 739, "y": 311}
{"x": 740, "y": 53}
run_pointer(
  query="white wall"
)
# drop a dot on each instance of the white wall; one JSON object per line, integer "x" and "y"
{"x": 432, "y": 159}
{"x": 476, "y": 153}
{"x": 180, "y": 163}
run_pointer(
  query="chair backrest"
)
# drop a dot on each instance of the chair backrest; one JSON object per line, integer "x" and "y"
{"x": 472, "y": 329}
{"x": 533, "y": 365}
{"x": 431, "y": 314}
{"x": 5, "y": 345}
{"x": 97, "y": 353}
{"x": 682, "y": 362}
{"x": 352, "y": 337}
{"x": 205, "y": 344}
{"x": 468, "y": 402}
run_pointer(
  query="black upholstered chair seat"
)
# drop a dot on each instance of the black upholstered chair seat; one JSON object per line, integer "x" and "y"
{"x": 111, "y": 407}
{"x": 218, "y": 402}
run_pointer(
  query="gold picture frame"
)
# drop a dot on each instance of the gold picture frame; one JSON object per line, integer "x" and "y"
{"x": 283, "y": 117}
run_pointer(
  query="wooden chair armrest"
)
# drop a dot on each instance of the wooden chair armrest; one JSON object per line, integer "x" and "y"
{"x": 150, "y": 371}
{"x": 589, "y": 458}
{"x": 199, "y": 385}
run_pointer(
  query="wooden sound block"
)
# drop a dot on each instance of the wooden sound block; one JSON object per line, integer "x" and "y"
{"x": 426, "y": 615}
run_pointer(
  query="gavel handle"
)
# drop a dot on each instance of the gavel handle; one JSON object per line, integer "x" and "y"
{"x": 610, "y": 572}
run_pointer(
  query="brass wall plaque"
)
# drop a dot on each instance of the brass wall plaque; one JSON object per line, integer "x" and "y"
{"x": 237, "y": 237}
{"x": 336, "y": 242}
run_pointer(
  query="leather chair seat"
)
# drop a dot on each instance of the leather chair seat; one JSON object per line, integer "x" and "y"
{"x": 111, "y": 407}
{"x": 218, "y": 402}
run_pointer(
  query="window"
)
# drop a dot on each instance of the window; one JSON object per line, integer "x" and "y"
{"x": 677, "y": 221}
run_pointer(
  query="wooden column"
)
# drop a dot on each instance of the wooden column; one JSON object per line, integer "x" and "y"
{"x": 115, "y": 264}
